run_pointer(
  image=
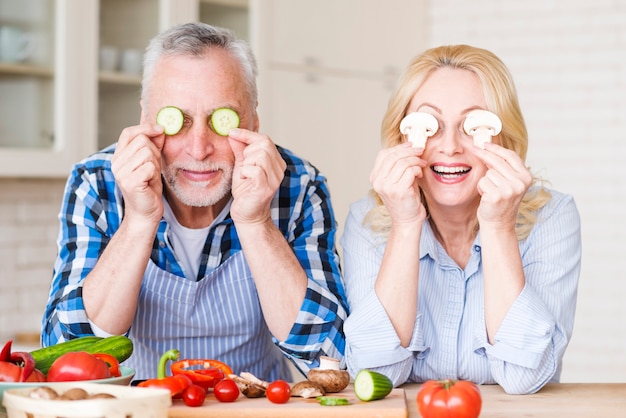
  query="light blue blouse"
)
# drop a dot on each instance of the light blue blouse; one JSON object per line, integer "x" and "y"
{"x": 450, "y": 339}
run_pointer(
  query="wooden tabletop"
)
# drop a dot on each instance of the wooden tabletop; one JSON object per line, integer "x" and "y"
{"x": 571, "y": 400}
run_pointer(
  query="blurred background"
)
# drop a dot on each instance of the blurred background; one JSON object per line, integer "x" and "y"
{"x": 69, "y": 82}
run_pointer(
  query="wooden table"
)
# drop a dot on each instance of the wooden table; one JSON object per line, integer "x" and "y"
{"x": 567, "y": 400}
{"x": 555, "y": 401}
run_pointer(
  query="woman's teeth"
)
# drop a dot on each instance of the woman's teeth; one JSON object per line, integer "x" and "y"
{"x": 449, "y": 172}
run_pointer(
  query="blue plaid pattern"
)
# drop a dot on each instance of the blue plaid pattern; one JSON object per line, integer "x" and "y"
{"x": 92, "y": 211}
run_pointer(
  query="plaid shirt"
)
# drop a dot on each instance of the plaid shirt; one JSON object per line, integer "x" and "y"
{"x": 93, "y": 209}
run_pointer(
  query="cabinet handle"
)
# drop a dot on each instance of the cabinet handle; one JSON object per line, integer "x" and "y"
{"x": 312, "y": 66}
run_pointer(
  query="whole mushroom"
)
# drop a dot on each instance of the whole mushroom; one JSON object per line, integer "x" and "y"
{"x": 482, "y": 125}
{"x": 329, "y": 376}
{"x": 419, "y": 126}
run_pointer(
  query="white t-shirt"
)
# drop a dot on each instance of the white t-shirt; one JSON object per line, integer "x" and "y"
{"x": 188, "y": 243}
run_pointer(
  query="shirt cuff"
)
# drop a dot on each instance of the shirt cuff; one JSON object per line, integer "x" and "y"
{"x": 525, "y": 332}
{"x": 373, "y": 340}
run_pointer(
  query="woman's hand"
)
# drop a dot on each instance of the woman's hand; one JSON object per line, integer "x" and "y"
{"x": 394, "y": 178}
{"x": 502, "y": 188}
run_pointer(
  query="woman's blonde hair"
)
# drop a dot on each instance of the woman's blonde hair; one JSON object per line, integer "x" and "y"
{"x": 501, "y": 98}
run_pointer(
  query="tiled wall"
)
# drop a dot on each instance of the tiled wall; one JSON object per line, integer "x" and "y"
{"x": 28, "y": 228}
{"x": 568, "y": 58}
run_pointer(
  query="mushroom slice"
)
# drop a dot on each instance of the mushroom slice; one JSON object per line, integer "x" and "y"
{"x": 419, "y": 126}
{"x": 482, "y": 125}
{"x": 307, "y": 389}
{"x": 329, "y": 376}
{"x": 248, "y": 387}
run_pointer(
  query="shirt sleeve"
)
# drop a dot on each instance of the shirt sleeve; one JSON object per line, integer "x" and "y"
{"x": 362, "y": 255}
{"x": 531, "y": 341}
{"x": 318, "y": 330}
{"x": 85, "y": 222}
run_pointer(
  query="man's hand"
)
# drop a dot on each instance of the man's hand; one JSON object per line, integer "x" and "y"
{"x": 259, "y": 170}
{"x": 136, "y": 166}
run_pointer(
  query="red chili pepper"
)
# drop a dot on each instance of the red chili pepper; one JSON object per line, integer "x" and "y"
{"x": 202, "y": 372}
{"x": 114, "y": 365}
{"x": 176, "y": 383}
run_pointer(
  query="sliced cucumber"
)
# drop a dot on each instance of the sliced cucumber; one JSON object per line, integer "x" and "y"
{"x": 370, "y": 385}
{"x": 332, "y": 401}
{"x": 171, "y": 119}
{"x": 223, "y": 120}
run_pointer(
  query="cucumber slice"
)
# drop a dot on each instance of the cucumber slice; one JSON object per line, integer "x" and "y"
{"x": 223, "y": 120}
{"x": 332, "y": 401}
{"x": 171, "y": 119}
{"x": 370, "y": 385}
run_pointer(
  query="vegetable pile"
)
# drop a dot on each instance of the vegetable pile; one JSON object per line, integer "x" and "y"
{"x": 84, "y": 358}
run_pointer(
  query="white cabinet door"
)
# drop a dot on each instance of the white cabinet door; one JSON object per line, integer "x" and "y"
{"x": 47, "y": 100}
{"x": 332, "y": 122}
{"x": 361, "y": 36}
{"x": 327, "y": 68}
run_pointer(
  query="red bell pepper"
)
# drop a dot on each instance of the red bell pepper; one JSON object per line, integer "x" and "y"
{"x": 5, "y": 354}
{"x": 202, "y": 372}
{"x": 176, "y": 384}
{"x": 114, "y": 365}
{"x": 16, "y": 366}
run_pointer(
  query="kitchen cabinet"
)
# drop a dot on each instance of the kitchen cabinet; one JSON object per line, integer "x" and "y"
{"x": 326, "y": 71}
{"x": 61, "y": 103}
{"x": 41, "y": 130}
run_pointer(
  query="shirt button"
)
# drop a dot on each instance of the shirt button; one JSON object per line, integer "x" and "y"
{"x": 477, "y": 248}
{"x": 161, "y": 244}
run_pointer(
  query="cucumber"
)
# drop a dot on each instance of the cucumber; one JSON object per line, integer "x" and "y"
{"x": 44, "y": 357}
{"x": 119, "y": 346}
{"x": 171, "y": 119}
{"x": 370, "y": 385}
{"x": 332, "y": 401}
{"x": 223, "y": 120}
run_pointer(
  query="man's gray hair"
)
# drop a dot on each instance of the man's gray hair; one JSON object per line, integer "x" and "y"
{"x": 195, "y": 39}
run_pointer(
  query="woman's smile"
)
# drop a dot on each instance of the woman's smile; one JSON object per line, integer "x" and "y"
{"x": 446, "y": 173}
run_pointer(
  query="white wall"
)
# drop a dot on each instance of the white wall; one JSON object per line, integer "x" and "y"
{"x": 568, "y": 58}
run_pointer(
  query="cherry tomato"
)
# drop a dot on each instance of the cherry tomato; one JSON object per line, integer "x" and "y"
{"x": 278, "y": 391}
{"x": 449, "y": 398}
{"x": 78, "y": 365}
{"x": 226, "y": 390}
{"x": 194, "y": 395}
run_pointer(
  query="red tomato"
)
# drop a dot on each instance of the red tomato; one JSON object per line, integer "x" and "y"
{"x": 78, "y": 365}
{"x": 449, "y": 399}
{"x": 226, "y": 390}
{"x": 194, "y": 395}
{"x": 278, "y": 391}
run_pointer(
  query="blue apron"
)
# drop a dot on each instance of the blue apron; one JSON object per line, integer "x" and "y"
{"x": 218, "y": 317}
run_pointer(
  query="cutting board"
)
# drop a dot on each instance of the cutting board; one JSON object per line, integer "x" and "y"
{"x": 393, "y": 406}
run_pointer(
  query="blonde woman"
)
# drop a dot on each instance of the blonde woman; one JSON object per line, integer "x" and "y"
{"x": 460, "y": 264}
